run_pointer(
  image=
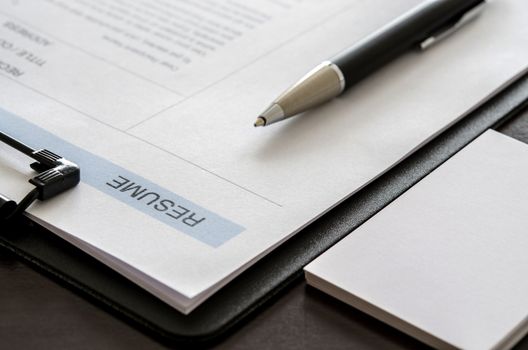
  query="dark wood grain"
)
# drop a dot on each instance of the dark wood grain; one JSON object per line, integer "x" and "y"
{"x": 35, "y": 313}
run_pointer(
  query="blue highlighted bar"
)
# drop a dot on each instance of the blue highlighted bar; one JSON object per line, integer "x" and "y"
{"x": 127, "y": 187}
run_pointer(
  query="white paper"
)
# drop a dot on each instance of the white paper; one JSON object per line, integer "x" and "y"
{"x": 180, "y": 114}
{"x": 446, "y": 261}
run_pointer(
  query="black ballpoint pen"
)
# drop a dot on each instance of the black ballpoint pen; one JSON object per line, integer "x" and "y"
{"x": 421, "y": 27}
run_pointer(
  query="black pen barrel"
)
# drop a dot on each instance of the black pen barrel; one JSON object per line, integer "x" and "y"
{"x": 393, "y": 40}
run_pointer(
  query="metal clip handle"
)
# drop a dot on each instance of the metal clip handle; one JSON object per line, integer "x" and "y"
{"x": 56, "y": 176}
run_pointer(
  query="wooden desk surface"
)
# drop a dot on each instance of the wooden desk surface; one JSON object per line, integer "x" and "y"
{"x": 35, "y": 312}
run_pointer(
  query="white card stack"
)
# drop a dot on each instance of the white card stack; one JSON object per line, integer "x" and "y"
{"x": 447, "y": 261}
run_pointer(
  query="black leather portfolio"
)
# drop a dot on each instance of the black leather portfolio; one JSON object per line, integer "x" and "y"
{"x": 265, "y": 280}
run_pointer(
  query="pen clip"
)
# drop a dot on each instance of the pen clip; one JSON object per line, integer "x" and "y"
{"x": 445, "y": 32}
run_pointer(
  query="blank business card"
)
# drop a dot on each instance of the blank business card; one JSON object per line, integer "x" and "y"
{"x": 447, "y": 262}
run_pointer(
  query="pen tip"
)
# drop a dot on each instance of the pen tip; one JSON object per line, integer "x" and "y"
{"x": 260, "y": 122}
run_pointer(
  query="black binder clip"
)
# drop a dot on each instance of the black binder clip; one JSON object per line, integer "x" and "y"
{"x": 56, "y": 175}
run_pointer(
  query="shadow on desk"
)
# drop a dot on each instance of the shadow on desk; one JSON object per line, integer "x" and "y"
{"x": 35, "y": 312}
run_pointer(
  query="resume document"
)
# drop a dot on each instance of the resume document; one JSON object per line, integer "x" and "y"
{"x": 155, "y": 101}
